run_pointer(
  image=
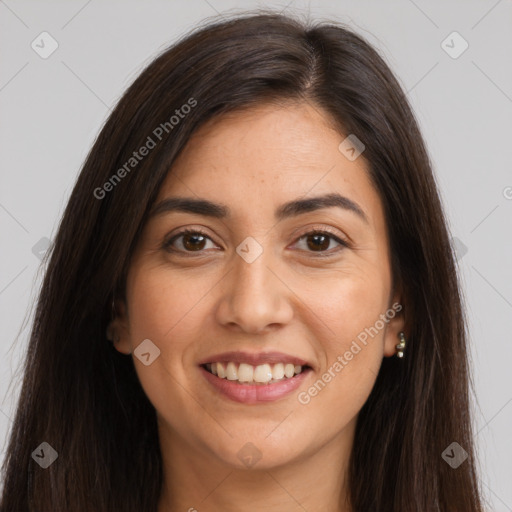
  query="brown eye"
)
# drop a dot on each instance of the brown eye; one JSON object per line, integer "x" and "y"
{"x": 193, "y": 242}
{"x": 320, "y": 242}
{"x": 187, "y": 241}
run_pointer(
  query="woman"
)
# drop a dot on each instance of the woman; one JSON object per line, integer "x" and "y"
{"x": 258, "y": 233}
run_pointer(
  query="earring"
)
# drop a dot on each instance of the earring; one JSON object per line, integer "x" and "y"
{"x": 401, "y": 346}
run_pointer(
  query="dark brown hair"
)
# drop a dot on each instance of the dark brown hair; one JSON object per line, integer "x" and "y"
{"x": 83, "y": 397}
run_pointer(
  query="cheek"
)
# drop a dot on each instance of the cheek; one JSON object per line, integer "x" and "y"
{"x": 349, "y": 309}
{"x": 349, "y": 301}
{"x": 158, "y": 311}
{"x": 171, "y": 309}
{"x": 162, "y": 304}
{"x": 166, "y": 311}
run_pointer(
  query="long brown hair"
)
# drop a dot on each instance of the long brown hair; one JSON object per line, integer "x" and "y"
{"x": 83, "y": 397}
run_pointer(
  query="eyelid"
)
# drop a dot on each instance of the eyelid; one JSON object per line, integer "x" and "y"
{"x": 322, "y": 229}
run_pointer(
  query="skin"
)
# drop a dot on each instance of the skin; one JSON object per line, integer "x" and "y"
{"x": 192, "y": 305}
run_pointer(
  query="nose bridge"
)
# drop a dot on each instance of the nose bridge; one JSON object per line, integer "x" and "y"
{"x": 254, "y": 297}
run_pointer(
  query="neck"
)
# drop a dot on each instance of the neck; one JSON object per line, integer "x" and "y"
{"x": 193, "y": 481}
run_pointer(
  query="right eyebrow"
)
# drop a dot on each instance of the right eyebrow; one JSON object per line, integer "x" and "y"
{"x": 191, "y": 205}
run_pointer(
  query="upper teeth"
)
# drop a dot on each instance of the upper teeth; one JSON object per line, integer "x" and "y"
{"x": 263, "y": 373}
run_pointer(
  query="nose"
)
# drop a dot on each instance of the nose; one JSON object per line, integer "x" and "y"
{"x": 254, "y": 298}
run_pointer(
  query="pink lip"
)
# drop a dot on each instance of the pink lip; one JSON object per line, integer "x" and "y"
{"x": 255, "y": 393}
{"x": 254, "y": 359}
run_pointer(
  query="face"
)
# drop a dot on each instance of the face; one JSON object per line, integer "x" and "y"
{"x": 261, "y": 289}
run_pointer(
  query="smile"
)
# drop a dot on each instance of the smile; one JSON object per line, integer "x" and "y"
{"x": 254, "y": 378}
{"x": 262, "y": 374}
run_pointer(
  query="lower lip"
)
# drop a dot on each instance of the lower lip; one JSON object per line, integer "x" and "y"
{"x": 255, "y": 393}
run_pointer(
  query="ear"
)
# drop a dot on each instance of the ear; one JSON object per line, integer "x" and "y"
{"x": 395, "y": 325}
{"x": 118, "y": 329}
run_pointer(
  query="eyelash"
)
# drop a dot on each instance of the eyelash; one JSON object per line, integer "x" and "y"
{"x": 167, "y": 245}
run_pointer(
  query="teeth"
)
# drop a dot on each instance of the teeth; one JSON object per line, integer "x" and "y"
{"x": 278, "y": 371}
{"x": 289, "y": 370}
{"x": 231, "y": 371}
{"x": 246, "y": 373}
{"x": 263, "y": 373}
{"x": 221, "y": 371}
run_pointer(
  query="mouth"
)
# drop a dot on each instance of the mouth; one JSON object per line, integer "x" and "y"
{"x": 260, "y": 375}
{"x": 254, "y": 378}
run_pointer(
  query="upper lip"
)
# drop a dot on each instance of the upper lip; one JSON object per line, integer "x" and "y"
{"x": 254, "y": 358}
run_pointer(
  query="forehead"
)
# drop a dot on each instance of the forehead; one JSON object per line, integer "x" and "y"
{"x": 264, "y": 156}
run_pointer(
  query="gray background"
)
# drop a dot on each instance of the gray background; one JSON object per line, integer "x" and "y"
{"x": 53, "y": 108}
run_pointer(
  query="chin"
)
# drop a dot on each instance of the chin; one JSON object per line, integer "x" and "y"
{"x": 259, "y": 450}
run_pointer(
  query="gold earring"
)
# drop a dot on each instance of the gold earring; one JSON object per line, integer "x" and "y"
{"x": 401, "y": 346}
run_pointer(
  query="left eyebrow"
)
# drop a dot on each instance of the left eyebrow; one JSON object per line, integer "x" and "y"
{"x": 287, "y": 210}
{"x": 300, "y": 206}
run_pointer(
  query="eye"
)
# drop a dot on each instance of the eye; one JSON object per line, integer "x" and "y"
{"x": 193, "y": 240}
{"x": 320, "y": 241}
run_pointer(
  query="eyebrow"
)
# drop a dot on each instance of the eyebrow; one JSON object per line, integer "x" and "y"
{"x": 287, "y": 210}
